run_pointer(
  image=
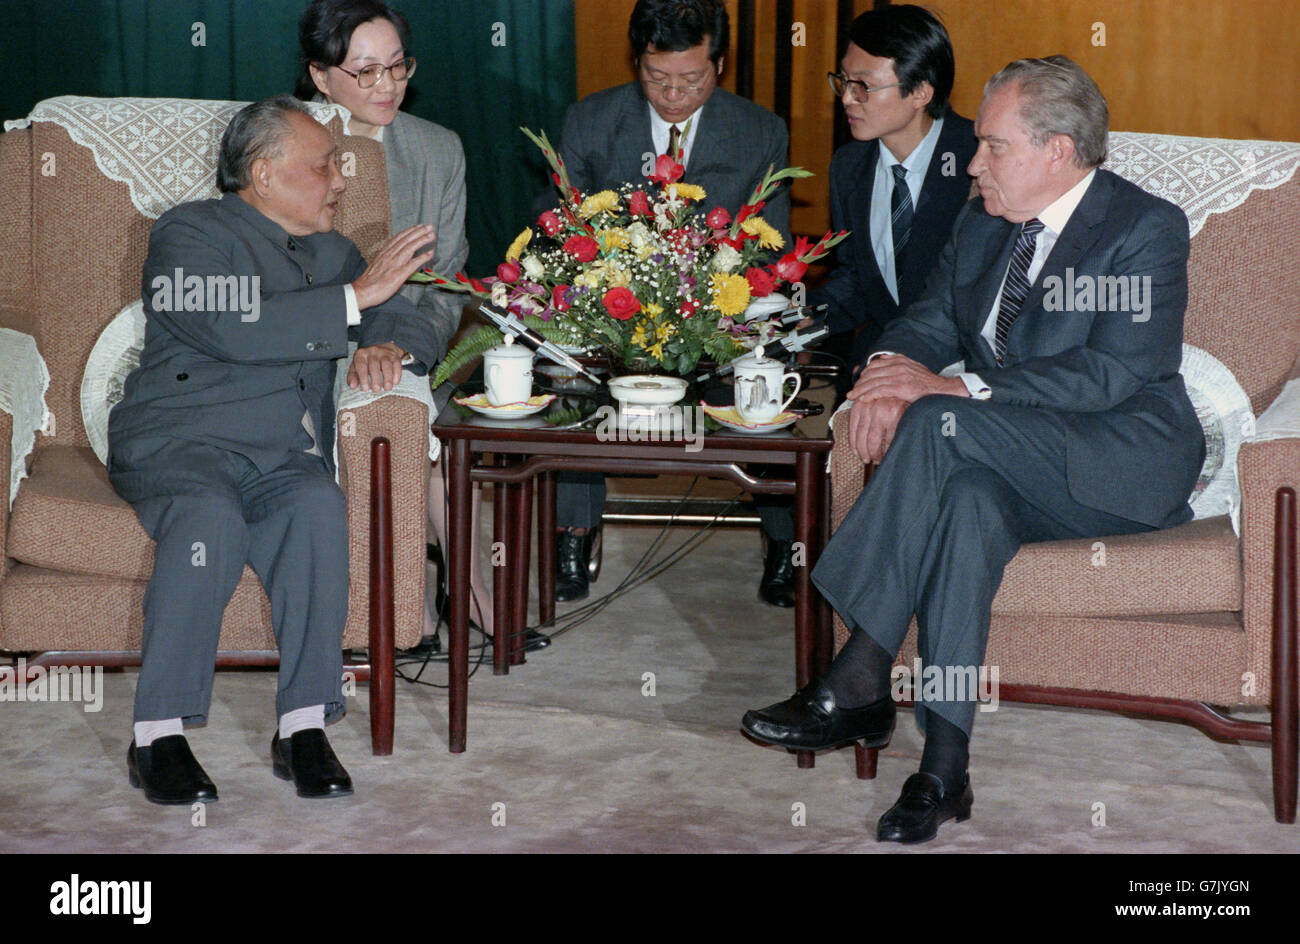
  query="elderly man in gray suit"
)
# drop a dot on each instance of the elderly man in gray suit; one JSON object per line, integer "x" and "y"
{"x": 727, "y": 143}
{"x": 1070, "y": 421}
{"x": 222, "y": 440}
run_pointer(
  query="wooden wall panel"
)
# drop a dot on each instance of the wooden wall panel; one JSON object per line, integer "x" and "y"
{"x": 1216, "y": 68}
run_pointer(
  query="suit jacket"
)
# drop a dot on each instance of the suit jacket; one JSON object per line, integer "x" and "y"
{"x": 426, "y": 184}
{"x": 1133, "y": 443}
{"x": 216, "y": 375}
{"x": 606, "y": 140}
{"x": 856, "y": 292}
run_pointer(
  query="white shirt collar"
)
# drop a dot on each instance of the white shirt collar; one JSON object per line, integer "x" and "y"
{"x": 1059, "y": 211}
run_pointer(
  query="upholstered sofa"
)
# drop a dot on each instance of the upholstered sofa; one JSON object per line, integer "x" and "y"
{"x": 81, "y": 182}
{"x": 1190, "y": 622}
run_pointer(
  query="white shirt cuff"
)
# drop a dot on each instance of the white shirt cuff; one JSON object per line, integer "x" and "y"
{"x": 977, "y": 388}
{"x": 350, "y": 299}
{"x": 880, "y": 354}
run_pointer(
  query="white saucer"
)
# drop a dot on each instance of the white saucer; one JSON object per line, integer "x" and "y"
{"x": 509, "y": 411}
{"x": 728, "y": 417}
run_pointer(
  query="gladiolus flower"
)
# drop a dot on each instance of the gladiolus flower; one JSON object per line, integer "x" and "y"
{"x": 582, "y": 248}
{"x": 789, "y": 268}
{"x": 718, "y": 218}
{"x": 667, "y": 170}
{"x": 638, "y": 204}
{"x": 621, "y": 303}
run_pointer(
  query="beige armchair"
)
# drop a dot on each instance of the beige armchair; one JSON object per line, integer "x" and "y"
{"x": 1189, "y": 622}
{"x": 80, "y": 186}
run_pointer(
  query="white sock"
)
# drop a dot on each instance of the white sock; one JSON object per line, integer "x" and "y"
{"x": 301, "y": 719}
{"x": 146, "y": 732}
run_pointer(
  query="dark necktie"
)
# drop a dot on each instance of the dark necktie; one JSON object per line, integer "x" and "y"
{"x": 1017, "y": 285}
{"x": 900, "y": 205}
{"x": 674, "y": 137}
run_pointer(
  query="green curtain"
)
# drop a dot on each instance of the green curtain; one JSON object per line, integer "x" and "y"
{"x": 486, "y": 67}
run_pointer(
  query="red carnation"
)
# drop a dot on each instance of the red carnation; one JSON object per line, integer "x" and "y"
{"x": 638, "y": 204}
{"x": 549, "y": 222}
{"x": 760, "y": 281}
{"x": 718, "y": 218}
{"x": 621, "y": 303}
{"x": 508, "y": 272}
{"x": 582, "y": 248}
{"x": 559, "y": 301}
{"x": 667, "y": 170}
{"x": 789, "y": 268}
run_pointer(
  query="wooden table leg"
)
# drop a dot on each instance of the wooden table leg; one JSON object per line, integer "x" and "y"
{"x": 501, "y": 552}
{"x": 807, "y": 524}
{"x": 546, "y": 548}
{"x": 459, "y": 528}
{"x": 824, "y": 647}
{"x": 521, "y": 537}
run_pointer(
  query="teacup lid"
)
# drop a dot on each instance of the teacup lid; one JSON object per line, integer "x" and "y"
{"x": 509, "y": 349}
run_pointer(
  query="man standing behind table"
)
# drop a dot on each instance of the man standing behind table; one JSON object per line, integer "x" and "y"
{"x": 727, "y": 143}
{"x": 222, "y": 439}
{"x": 900, "y": 184}
{"x": 1071, "y": 422}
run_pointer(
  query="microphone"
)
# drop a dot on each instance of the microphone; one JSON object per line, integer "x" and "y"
{"x": 792, "y": 343}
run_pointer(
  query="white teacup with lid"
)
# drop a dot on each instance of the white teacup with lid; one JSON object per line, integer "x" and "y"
{"x": 508, "y": 373}
{"x": 760, "y": 388}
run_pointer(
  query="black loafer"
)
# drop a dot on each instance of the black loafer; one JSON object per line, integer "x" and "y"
{"x": 168, "y": 773}
{"x": 921, "y": 807}
{"x": 811, "y": 721}
{"x": 308, "y": 760}
{"x": 777, "y": 585}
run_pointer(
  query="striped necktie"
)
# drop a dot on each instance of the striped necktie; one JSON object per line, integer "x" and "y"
{"x": 674, "y": 138}
{"x": 1017, "y": 285}
{"x": 900, "y": 204}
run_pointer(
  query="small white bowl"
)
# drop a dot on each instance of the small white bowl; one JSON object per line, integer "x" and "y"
{"x": 647, "y": 390}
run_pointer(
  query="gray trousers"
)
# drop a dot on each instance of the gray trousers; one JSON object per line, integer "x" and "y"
{"x": 962, "y": 486}
{"x": 210, "y": 512}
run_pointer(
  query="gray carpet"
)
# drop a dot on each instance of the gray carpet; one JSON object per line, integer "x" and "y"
{"x": 567, "y": 754}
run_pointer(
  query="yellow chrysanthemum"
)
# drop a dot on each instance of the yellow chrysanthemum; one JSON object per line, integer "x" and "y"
{"x": 606, "y": 201}
{"x": 611, "y": 239}
{"x": 517, "y": 247}
{"x": 690, "y": 192}
{"x": 768, "y": 236}
{"x": 730, "y": 293}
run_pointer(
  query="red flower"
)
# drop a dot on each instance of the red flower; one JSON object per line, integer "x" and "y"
{"x": 761, "y": 282}
{"x": 667, "y": 170}
{"x": 549, "y": 222}
{"x": 621, "y": 303}
{"x": 475, "y": 284}
{"x": 747, "y": 211}
{"x": 508, "y": 272}
{"x": 718, "y": 218}
{"x": 582, "y": 248}
{"x": 638, "y": 204}
{"x": 789, "y": 268}
{"x": 559, "y": 301}
{"x": 688, "y": 307}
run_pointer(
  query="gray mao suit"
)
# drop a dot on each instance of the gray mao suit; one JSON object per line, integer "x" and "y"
{"x": 605, "y": 143}
{"x": 212, "y": 444}
{"x": 1088, "y": 430}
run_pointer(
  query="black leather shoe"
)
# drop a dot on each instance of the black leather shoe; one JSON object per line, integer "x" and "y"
{"x": 811, "y": 721}
{"x": 572, "y": 552}
{"x": 777, "y": 586}
{"x": 308, "y": 760}
{"x": 427, "y": 646}
{"x": 921, "y": 807}
{"x": 168, "y": 773}
{"x": 533, "y": 640}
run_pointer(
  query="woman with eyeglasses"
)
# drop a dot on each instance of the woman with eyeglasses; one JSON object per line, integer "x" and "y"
{"x": 356, "y": 53}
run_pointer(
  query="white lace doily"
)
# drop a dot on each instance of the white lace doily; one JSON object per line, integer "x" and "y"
{"x": 163, "y": 149}
{"x": 1201, "y": 175}
{"x": 23, "y": 383}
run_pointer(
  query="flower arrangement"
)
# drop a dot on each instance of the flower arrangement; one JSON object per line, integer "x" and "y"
{"x": 638, "y": 272}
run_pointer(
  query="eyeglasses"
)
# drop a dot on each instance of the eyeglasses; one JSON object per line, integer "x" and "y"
{"x": 858, "y": 90}
{"x": 372, "y": 75}
{"x": 683, "y": 89}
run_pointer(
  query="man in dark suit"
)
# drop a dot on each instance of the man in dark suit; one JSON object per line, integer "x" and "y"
{"x": 1071, "y": 420}
{"x": 223, "y": 439}
{"x": 727, "y": 143}
{"x": 900, "y": 184}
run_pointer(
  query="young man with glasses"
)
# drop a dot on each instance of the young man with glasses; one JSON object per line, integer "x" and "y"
{"x": 726, "y": 144}
{"x": 893, "y": 82}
